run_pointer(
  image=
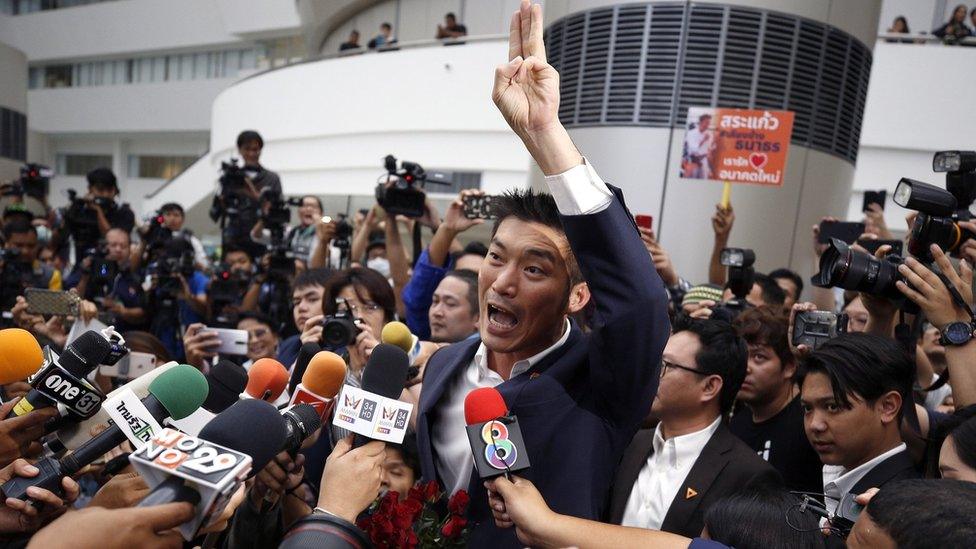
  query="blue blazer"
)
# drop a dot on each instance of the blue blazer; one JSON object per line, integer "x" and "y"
{"x": 580, "y": 406}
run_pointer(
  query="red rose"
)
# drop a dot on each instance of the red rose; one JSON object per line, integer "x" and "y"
{"x": 454, "y": 527}
{"x": 414, "y": 508}
{"x": 387, "y": 503}
{"x": 431, "y": 491}
{"x": 458, "y": 503}
{"x": 417, "y": 494}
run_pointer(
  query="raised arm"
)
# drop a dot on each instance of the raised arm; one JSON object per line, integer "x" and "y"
{"x": 631, "y": 322}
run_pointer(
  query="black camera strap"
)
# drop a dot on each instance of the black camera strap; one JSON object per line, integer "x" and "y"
{"x": 957, "y": 297}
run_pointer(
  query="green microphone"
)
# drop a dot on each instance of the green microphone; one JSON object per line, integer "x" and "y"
{"x": 175, "y": 394}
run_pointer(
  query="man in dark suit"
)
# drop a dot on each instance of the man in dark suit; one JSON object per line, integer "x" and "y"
{"x": 579, "y": 397}
{"x": 853, "y": 390}
{"x": 671, "y": 474}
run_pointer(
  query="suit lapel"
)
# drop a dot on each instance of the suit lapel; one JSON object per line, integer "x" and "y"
{"x": 437, "y": 380}
{"x": 897, "y": 466}
{"x": 706, "y": 469}
{"x": 630, "y": 467}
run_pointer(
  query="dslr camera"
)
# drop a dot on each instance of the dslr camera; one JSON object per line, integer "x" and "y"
{"x": 405, "y": 196}
{"x": 340, "y": 329}
{"x": 843, "y": 267}
{"x": 741, "y": 276}
{"x": 940, "y": 210}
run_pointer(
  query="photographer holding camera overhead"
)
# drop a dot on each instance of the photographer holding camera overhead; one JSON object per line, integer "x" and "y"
{"x": 88, "y": 219}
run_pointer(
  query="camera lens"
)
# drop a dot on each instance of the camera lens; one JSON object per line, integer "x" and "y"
{"x": 930, "y": 229}
{"x": 845, "y": 268}
{"x": 337, "y": 331}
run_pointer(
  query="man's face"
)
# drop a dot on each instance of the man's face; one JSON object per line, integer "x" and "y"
{"x": 261, "y": 339}
{"x": 934, "y": 350}
{"x": 866, "y": 534}
{"x": 452, "y": 318}
{"x": 250, "y": 153}
{"x": 858, "y": 315}
{"x": 841, "y": 436}
{"x": 117, "y": 243}
{"x": 680, "y": 391}
{"x": 103, "y": 192}
{"x": 449, "y": 21}
{"x": 238, "y": 262}
{"x": 26, "y": 243}
{"x": 766, "y": 376}
{"x": 523, "y": 286}
{"x": 790, "y": 289}
{"x": 306, "y": 303}
{"x": 173, "y": 220}
{"x": 470, "y": 262}
{"x": 47, "y": 257}
{"x": 397, "y": 476}
{"x": 309, "y": 212}
{"x": 704, "y": 123}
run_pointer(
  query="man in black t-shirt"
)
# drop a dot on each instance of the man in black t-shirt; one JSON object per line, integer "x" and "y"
{"x": 88, "y": 219}
{"x": 771, "y": 420}
{"x": 451, "y": 28}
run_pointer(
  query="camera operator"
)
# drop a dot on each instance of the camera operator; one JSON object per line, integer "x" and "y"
{"x": 178, "y": 293}
{"x": 20, "y": 267}
{"x": 173, "y": 220}
{"x": 233, "y": 287}
{"x": 112, "y": 280}
{"x": 88, "y": 219}
{"x": 249, "y": 146}
{"x": 307, "y": 291}
{"x": 301, "y": 240}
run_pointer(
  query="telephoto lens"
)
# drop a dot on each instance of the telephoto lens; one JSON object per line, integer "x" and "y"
{"x": 842, "y": 267}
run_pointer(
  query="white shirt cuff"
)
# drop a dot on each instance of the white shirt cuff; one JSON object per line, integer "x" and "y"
{"x": 579, "y": 190}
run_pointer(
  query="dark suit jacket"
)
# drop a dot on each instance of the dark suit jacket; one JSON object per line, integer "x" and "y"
{"x": 725, "y": 466}
{"x": 580, "y": 406}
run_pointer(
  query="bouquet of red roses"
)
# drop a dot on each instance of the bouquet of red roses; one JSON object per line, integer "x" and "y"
{"x": 415, "y": 521}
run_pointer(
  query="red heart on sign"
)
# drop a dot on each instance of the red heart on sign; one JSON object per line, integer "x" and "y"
{"x": 758, "y": 160}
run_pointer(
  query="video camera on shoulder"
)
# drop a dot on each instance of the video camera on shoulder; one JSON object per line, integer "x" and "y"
{"x": 741, "y": 277}
{"x": 340, "y": 329}
{"x": 406, "y": 195}
{"x": 80, "y": 219}
{"x": 940, "y": 210}
{"x": 35, "y": 182}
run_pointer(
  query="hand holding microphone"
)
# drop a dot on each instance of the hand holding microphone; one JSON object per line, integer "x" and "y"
{"x": 142, "y": 527}
{"x": 351, "y": 479}
{"x": 18, "y": 434}
{"x": 19, "y": 516}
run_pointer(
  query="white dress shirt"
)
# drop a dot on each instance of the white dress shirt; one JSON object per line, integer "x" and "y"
{"x": 577, "y": 191}
{"x": 448, "y": 434}
{"x": 662, "y": 476}
{"x": 838, "y": 481}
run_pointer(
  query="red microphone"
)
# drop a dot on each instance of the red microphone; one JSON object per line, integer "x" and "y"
{"x": 266, "y": 380}
{"x": 495, "y": 437}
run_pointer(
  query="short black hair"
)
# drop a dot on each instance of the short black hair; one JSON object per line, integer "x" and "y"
{"x": 258, "y": 317}
{"x": 528, "y": 205}
{"x": 313, "y": 277}
{"x": 865, "y": 366}
{"x": 386, "y": 26}
{"x": 102, "y": 178}
{"x": 772, "y": 294}
{"x": 316, "y": 199}
{"x": 233, "y": 248}
{"x": 360, "y": 278}
{"x": 172, "y": 207}
{"x": 964, "y": 439}
{"x": 926, "y": 512}
{"x": 474, "y": 247}
{"x": 471, "y": 278}
{"x": 409, "y": 452}
{"x": 18, "y": 225}
{"x": 248, "y": 136}
{"x": 722, "y": 353}
{"x": 766, "y": 326}
{"x": 754, "y": 517}
{"x": 451, "y": 15}
{"x": 791, "y": 276}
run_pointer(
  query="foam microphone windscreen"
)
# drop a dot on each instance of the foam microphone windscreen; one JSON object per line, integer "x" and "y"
{"x": 181, "y": 390}
{"x": 20, "y": 355}
{"x": 325, "y": 374}
{"x": 266, "y": 379}
{"x": 483, "y": 404}
{"x": 385, "y": 373}
{"x": 85, "y": 353}
{"x": 251, "y": 426}
{"x": 227, "y": 381}
{"x": 305, "y": 354}
{"x": 397, "y": 333}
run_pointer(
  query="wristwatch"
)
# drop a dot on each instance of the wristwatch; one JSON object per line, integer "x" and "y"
{"x": 956, "y": 333}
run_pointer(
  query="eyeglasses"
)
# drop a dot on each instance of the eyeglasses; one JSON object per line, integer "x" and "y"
{"x": 257, "y": 333}
{"x": 665, "y": 365}
{"x": 355, "y": 308}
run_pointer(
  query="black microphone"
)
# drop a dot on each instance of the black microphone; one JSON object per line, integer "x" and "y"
{"x": 227, "y": 381}
{"x": 301, "y": 422}
{"x": 305, "y": 355}
{"x": 385, "y": 375}
{"x": 62, "y": 380}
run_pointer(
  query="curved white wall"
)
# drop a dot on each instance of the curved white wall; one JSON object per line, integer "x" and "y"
{"x": 13, "y": 95}
{"x": 328, "y": 124}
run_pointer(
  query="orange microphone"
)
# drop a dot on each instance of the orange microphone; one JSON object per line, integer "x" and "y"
{"x": 266, "y": 380}
{"x": 20, "y": 355}
{"x": 321, "y": 382}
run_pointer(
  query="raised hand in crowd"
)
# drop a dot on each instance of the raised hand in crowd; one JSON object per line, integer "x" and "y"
{"x": 200, "y": 345}
{"x": 660, "y": 257}
{"x": 365, "y": 342}
{"x": 722, "y": 221}
{"x": 455, "y": 223}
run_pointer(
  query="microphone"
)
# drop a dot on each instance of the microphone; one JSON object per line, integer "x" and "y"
{"x": 322, "y": 380}
{"x": 176, "y": 393}
{"x": 301, "y": 422}
{"x": 384, "y": 376}
{"x": 21, "y": 356}
{"x": 397, "y": 333}
{"x": 266, "y": 380}
{"x": 305, "y": 355}
{"x": 207, "y": 470}
{"x": 62, "y": 380}
{"x": 72, "y": 435}
{"x": 226, "y": 381}
{"x": 495, "y": 437}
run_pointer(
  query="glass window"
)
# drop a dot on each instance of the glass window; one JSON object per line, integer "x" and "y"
{"x": 35, "y": 78}
{"x": 158, "y": 167}
{"x": 57, "y": 76}
{"x": 81, "y": 164}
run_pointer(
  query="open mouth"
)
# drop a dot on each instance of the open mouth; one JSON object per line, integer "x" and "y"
{"x": 501, "y": 318}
